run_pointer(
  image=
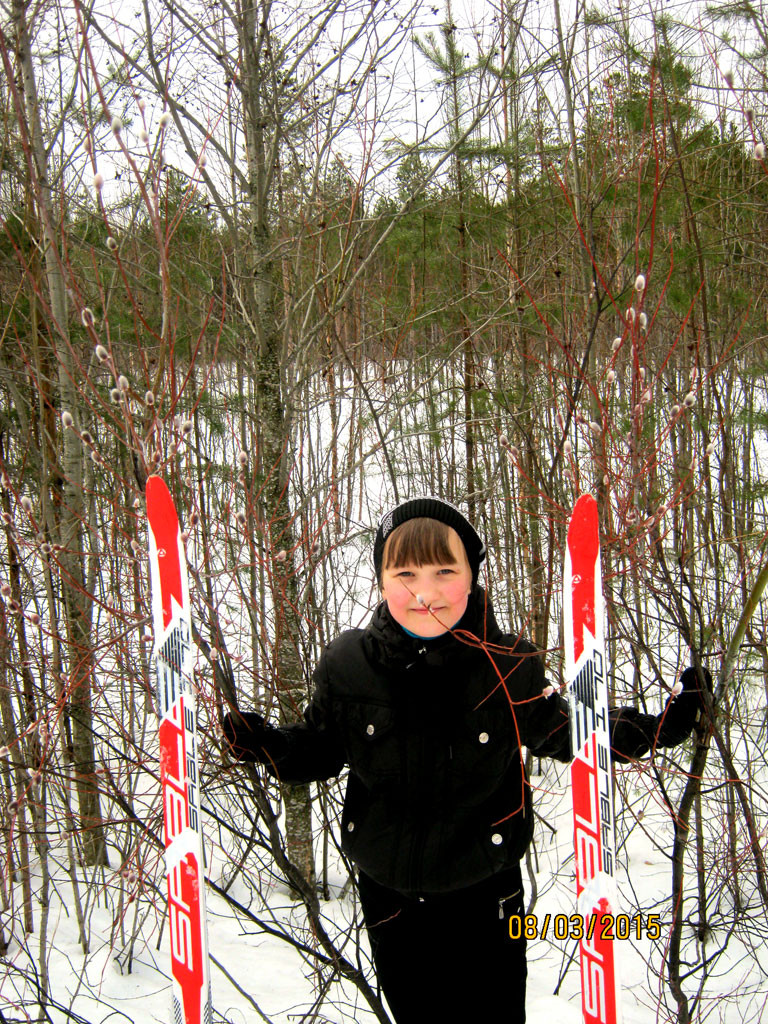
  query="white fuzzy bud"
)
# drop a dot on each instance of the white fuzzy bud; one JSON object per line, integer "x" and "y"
{"x": 689, "y": 400}
{"x": 26, "y": 504}
{"x": 281, "y": 556}
{"x": 149, "y": 398}
{"x": 143, "y": 135}
{"x": 643, "y": 321}
{"x": 548, "y": 691}
{"x": 111, "y": 243}
{"x": 122, "y": 382}
{"x": 86, "y": 317}
{"x": 141, "y": 103}
{"x": 5, "y": 590}
{"x": 615, "y": 344}
{"x": 115, "y": 395}
{"x": 242, "y": 459}
{"x": 98, "y": 182}
{"x": 203, "y": 161}
{"x": 646, "y": 397}
{"x": 567, "y": 447}
{"x": 641, "y": 373}
{"x": 66, "y": 419}
{"x": 630, "y": 315}
{"x": 513, "y": 454}
{"x": 728, "y": 78}
{"x": 186, "y": 427}
{"x": 606, "y": 480}
{"x": 759, "y": 152}
{"x": 677, "y": 689}
{"x": 5, "y": 752}
{"x": 241, "y": 518}
{"x": 117, "y": 125}
{"x": 420, "y": 600}
{"x": 165, "y": 120}
{"x": 34, "y": 618}
{"x": 101, "y": 353}
{"x": 595, "y": 428}
{"x": 675, "y": 411}
{"x": 709, "y": 450}
{"x": 640, "y": 283}
{"x": 610, "y": 376}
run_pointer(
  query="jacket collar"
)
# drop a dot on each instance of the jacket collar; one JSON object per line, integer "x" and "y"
{"x": 389, "y": 643}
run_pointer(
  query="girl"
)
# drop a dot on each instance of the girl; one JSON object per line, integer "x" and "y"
{"x": 429, "y": 707}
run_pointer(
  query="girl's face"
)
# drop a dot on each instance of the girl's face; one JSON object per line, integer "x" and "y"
{"x": 428, "y": 600}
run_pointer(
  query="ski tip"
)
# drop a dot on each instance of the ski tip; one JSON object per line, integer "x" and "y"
{"x": 584, "y": 518}
{"x": 158, "y": 496}
{"x": 584, "y": 502}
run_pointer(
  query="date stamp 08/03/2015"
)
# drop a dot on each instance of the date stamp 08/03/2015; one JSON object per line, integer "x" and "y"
{"x": 573, "y": 926}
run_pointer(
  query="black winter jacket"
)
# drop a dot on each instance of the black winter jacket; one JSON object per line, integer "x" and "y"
{"x": 432, "y": 730}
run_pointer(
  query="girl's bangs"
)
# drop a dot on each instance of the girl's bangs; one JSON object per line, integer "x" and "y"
{"x": 419, "y": 542}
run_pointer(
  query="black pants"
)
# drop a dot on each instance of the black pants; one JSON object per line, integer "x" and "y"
{"x": 448, "y": 957}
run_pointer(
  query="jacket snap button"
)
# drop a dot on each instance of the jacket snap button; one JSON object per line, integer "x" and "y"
{"x": 351, "y": 826}
{"x": 483, "y": 737}
{"x": 370, "y": 730}
{"x": 496, "y": 839}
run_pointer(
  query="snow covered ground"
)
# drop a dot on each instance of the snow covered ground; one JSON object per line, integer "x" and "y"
{"x": 257, "y": 976}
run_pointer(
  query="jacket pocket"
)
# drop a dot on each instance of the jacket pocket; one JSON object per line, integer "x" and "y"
{"x": 373, "y": 748}
{"x": 482, "y": 749}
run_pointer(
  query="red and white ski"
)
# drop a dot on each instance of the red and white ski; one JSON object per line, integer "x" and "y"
{"x": 179, "y": 777}
{"x": 591, "y": 777}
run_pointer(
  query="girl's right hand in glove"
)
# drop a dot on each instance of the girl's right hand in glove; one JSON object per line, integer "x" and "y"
{"x": 247, "y": 732}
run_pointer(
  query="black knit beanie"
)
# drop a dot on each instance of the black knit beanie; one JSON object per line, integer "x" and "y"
{"x": 430, "y": 508}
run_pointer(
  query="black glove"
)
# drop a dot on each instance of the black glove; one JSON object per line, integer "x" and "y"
{"x": 676, "y": 720}
{"x": 248, "y": 735}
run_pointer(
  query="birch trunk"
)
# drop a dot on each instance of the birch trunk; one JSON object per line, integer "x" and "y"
{"x": 66, "y": 479}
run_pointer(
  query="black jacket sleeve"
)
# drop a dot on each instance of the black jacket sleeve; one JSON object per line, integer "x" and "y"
{"x": 633, "y": 733}
{"x": 299, "y": 752}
